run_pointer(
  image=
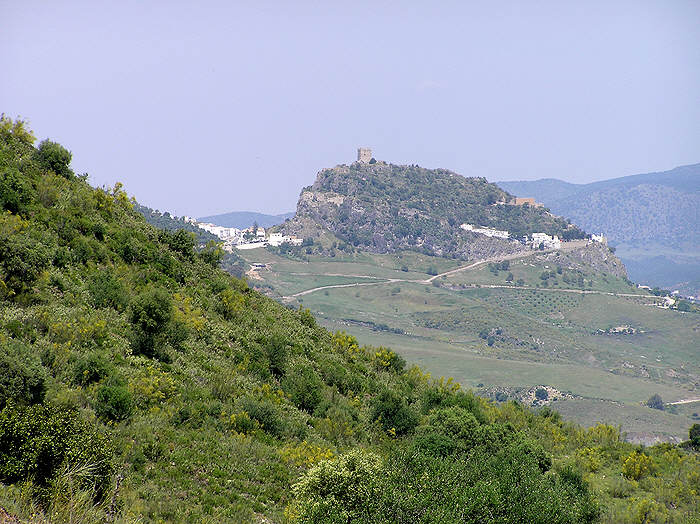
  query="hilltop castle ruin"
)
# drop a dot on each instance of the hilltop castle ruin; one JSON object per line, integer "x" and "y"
{"x": 364, "y": 155}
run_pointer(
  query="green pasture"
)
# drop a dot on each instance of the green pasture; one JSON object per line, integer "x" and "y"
{"x": 507, "y": 336}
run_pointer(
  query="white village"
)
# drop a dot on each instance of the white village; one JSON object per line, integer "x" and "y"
{"x": 250, "y": 238}
{"x": 536, "y": 241}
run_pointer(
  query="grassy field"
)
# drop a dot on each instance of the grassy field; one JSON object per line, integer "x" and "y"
{"x": 562, "y": 335}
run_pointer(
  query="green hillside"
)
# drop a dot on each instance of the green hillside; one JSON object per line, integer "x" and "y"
{"x": 139, "y": 383}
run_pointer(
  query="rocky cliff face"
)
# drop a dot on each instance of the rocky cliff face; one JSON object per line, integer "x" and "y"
{"x": 594, "y": 256}
{"x": 384, "y": 208}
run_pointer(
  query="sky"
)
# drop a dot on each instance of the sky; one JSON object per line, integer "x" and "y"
{"x": 208, "y": 107}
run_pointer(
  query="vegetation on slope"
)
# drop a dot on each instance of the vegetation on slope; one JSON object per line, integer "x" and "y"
{"x": 138, "y": 382}
{"x": 230, "y": 262}
{"x": 385, "y": 207}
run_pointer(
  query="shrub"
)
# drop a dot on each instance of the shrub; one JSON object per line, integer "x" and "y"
{"x": 107, "y": 291}
{"x": 307, "y": 317}
{"x": 386, "y": 359}
{"x": 655, "y": 402}
{"x": 150, "y": 314}
{"x": 52, "y": 156}
{"x": 90, "y": 368}
{"x": 35, "y": 442}
{"x": 276, "y": 349}
{"x": 502, "y": 486}
{"x": 230, "y": 303}
{"x": 636, "y": 465}
{"x": 242, "y": 423}
{"x": 181, "y": 241}
{"x": 338, "y": 490}
{"x": 114, "y": 402}
{"x": 265, "y": 413}
{"x": 694, "y": 435}
{"x": 22, "y": 377}
{"x": 14, "y": 191}
{"x": 22, "y": 260}
{"x": 212, "y": 254}
{"x": 541, "y": 394}
{"x": 393, "y": 412}
{"x": 152, "y": 310}
{"x": 303, "y": 385}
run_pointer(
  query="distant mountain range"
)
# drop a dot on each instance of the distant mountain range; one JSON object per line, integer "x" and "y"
{"x": 244, "y": 219}
{"x": 652, "y": 219}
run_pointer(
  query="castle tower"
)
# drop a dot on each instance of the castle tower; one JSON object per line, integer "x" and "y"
{"x": 364, "y": 155}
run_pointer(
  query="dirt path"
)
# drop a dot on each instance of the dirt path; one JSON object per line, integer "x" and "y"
{"x": 355, "y": 284}
{"x": 684, "y": 401}
{"x": 520, "y": 254}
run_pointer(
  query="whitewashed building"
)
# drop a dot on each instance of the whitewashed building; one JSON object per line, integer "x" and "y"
{"x": 489, "y": 232}
{"x": 543, "y": 239}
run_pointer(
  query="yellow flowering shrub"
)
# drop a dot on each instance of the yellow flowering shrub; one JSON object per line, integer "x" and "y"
{"x": 304, "y": 454}
{"x": 185, "y": 313}
{"x": 589, "y": 458}
{"x": 636, "y": 465}
{"x": 347, "y": 344}
{"x": 603, "y": 435}
{"x": 152, "y": 388}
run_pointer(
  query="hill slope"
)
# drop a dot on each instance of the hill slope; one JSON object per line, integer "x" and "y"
{"x": 646, "y": 216}
{"x": 140, "y": 383}
{"x": 384, "y": 207}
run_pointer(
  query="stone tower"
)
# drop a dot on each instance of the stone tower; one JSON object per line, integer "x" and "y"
{"x": 364, "y": 155}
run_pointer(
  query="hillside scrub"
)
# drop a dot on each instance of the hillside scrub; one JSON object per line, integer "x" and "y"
{"x": 139, "y": 383}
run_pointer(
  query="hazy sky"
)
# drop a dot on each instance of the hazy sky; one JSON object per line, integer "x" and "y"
{"x": 207, "y": 107}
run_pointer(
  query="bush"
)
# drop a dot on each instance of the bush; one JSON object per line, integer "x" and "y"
{"x": 307, "y": 317}
{"x": 636, "y": 465}
{"x": 151, "y": 313}
{"x": 35, "y": 442}
{"x": 276, "y": 349}
{"x": 22, "y": 260}
{"x": 655, "y": 402}
{"x": 52, "y": 156}
{"x": 412, "y": 487}
{"x": 304, "y": 386}
{"x": 152, "y": 310}
{"x": 338, "y": 490}
{"x": 90, "y": 368}
{"x": 114, "y": 402}
{"x": 265, "y": 413}
{"x": 107, "y": 291}
{"x": 448, "y": 430}
{"x": 212, "y": 254}
{"x": 541, "y": 394}
{"x": 14, "y": 191}
{"x": 181, "y": 241}
{"x": 22, "y": 377}
{"x": 393, "y": 412}
{"x": 694, "y": 435}
{"x": 230, "y": 304}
